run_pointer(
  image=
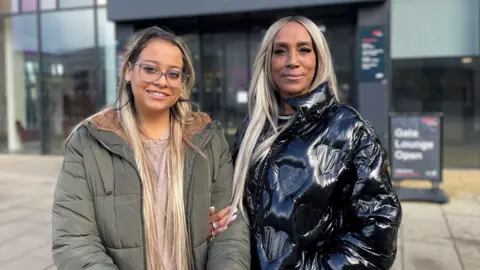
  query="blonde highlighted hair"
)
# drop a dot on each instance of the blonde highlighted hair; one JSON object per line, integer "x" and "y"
{"x": 176, "y": 238}
{"x": 263, "y": 104}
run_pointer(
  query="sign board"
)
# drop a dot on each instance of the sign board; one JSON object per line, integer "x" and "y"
{"x": 416, "y": 147}
{"x": 371, "y": 48}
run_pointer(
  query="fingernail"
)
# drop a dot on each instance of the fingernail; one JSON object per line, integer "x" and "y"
{"x": 212, "y": 208}
{"x": 224, "y": 228}
{"x": 234, "y": 217}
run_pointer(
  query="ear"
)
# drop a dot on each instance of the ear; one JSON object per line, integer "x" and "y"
{"x": 129, "y": 72}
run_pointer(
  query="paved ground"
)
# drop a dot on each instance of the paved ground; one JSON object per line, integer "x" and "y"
{"x": 432, "y": 237}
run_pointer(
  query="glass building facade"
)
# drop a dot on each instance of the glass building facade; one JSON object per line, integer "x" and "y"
{"x": 55, "y": 67}
{"x": 59, "y": 62}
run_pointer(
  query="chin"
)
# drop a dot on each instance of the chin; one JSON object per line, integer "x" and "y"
{"x": 156, "y": 106}
{"x": 290, "y": 91}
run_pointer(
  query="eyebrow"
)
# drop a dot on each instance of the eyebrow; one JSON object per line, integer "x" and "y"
{"x": 157, "y": 63}
{"x": 300, "y": 43}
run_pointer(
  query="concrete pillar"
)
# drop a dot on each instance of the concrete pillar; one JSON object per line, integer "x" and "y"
{"x": 15, "y": 88}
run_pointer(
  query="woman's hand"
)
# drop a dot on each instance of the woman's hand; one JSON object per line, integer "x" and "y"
{"x": 220, "y": 221}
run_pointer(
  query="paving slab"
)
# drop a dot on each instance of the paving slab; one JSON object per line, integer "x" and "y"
{"x": 431, "y": 237}
{"x": 423, "y": 256}
{"x": 468, "y": 207}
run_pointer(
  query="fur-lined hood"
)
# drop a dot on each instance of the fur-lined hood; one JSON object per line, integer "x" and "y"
{"x": 109, "y": 120}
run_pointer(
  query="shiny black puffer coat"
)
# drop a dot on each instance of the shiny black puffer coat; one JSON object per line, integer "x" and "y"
{"x": 322, "y": 198}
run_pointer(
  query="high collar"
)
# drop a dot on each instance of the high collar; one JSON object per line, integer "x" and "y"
{"x": 316, "y": 99}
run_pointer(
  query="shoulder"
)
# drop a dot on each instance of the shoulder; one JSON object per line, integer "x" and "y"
{"x": 346, "y": 117}
{"x": 347, "y": 123}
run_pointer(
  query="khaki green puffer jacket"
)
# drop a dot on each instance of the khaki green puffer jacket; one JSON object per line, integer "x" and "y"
{"x": 97, "y": 211}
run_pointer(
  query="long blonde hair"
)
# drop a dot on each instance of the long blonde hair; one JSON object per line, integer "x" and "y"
{"x": 263, "y": 105}
{"x": 181, "y": 117}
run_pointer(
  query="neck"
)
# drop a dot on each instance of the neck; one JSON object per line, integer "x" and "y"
{"x": 154, "y": 125}
{"x": 287, "y": 109}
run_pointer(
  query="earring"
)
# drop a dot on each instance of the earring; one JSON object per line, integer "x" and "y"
{"x": 128, "y": 82}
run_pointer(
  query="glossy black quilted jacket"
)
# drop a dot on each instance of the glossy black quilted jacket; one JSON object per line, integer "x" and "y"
{"x": 322, "y": 198}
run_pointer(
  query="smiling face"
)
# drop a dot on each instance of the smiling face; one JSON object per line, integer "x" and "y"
{"x": 294, "y": 60}
{"x": 156, "y": 77}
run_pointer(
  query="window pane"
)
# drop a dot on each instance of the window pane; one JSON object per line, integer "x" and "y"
{"x": 193, "y": 43}
{"x": 101, "y": 2}
{"x": 29, "y": 5}
{"x": 18, "y": 74}
{"x": 48, "y": 4}
{"x": 213, "y": 75}
{"x": 108, "y": 73}
{"x": 69, "y": 70}
{"x": 75, "y": 3}
{"x": 235, "y": 92}
{"x": 448, "y": 85}
{"x": 8, "y": 6}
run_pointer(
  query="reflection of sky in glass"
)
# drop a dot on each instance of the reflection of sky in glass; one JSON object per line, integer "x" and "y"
{"x": 29, "y": 5}
{"x": 24, "y": 32}
{"x": 14, "y": 5}
{"x": 76, "y": 3}
{"x": 48, "y": 4}
{"x": 106, "y": 29}
{"x": 63, "y": 31}
{"x": 67, "y": 31}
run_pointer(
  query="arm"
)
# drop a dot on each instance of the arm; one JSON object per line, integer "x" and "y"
{"x": 76, "y": 242}
{"x": 231, "y": 249}
{"x": 372, "y": 215}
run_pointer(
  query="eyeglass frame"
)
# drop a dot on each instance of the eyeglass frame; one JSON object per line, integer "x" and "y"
{"x": 161, "y": 74}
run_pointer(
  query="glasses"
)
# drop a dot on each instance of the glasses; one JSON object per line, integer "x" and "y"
{"x": 151, "y": 74}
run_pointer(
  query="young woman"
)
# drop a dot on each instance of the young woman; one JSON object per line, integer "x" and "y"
{"x": 310, "y": 169}
{"x": 138, "y": 179}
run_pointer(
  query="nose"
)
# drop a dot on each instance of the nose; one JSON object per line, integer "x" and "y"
{"x": 162, "y": 81}
{"x": 292, "y": 59}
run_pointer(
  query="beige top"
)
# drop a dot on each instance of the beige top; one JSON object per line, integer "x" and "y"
{"x": 157, "y": 152}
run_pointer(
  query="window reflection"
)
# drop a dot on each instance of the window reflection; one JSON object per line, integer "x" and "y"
{"x": 237, "y": 71}
{"x": 48, "y": 4}
{"x": 68, "y": 46}
{"x": 75, "y": 3}
{"x": 448, "y": 85}
{"x": 193, "y": 43}
{"x": 29, "y": 5}
{"x": 108, "y": 71}
{"x": 18, "y": 74}
{"x": 213, "y": 75}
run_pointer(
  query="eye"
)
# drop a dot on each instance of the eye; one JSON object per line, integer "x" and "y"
{"x": 174, "y": 74}
{"x": 149, "y": 69}
{"x": 279, "y": 52}
{"x": 305, "y": 50}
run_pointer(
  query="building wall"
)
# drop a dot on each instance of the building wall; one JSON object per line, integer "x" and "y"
{"x": 435, "y": 28}
{"x": 436, "y": 68}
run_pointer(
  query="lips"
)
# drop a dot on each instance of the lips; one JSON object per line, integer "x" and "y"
{"x": 292, "y": 76}
{"x": 157, "y": 94}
